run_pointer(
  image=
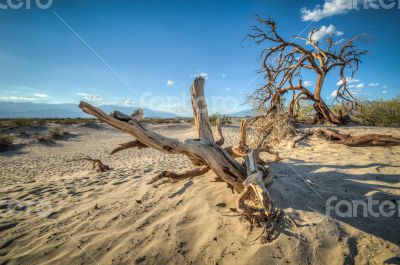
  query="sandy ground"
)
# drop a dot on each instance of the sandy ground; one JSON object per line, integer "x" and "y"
{"x": 55, "y": 212}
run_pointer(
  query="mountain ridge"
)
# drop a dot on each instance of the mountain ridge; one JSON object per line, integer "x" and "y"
{"x": 66, "y": 110}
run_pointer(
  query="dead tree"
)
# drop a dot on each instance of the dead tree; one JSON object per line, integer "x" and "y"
{"x": 349, "y": 140}
{"x": 254, "y": 202}
{"x": 285, "y": 61}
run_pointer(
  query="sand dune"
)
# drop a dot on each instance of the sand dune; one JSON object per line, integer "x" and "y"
{"x": 55, "y": 212}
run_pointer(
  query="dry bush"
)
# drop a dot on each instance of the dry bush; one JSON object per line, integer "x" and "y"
{"x": 5, "y": 142}
{"x": 41, "y": 138}
{"x": 379, "y": 113}
{"x": 224, "y": 119}
{"x": 56, "y": 133}
{"x": 272, "y": 129}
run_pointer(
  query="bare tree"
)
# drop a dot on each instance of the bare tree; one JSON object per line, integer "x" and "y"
{"x": 247, "y": 179}
{"x": 285, "y": 61}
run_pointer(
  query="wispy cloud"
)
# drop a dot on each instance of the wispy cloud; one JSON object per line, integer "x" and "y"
{"x": 228, "y": 88}
{"x": 384, "y": 91}
{"x": 362, "y": 85}
{"x": 349, "y": 80}
{"x": 307, "y": 83}
{"x": 170, "y": 82}
{"x": 373, "y": 84}
{"x": 41, "y": 95}
{"x": 329, "y": 8}
{"x": 129, "y": 103}
{"x": 17, "y": 98}
{"x": 90, "y": 97}
{"x": 223, "y": 75}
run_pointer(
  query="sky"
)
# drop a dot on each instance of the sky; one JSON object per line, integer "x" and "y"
{"x": 147, "y": 53}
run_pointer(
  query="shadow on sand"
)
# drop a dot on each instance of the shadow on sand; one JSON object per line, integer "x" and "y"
{"x": 332, "y": 181}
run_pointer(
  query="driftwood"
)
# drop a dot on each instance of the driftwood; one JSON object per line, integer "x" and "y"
{"x": 254, "y": 202}
{"x": 349, "y": 140}
{"x": 96, "y": 163}
{"x": 136, "y": 115}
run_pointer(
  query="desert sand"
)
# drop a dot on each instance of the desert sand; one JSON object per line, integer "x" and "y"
{"x": 58, "y": 212}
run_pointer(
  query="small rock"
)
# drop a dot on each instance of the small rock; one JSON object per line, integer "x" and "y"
{"x": 140, "y": 259}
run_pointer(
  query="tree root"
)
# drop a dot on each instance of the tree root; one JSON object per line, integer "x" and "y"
{"x": 173, "y": 177}
{"x": 127, "y": 145}
{"x": 301, "y": 138}
{"x": 96, "y": 163}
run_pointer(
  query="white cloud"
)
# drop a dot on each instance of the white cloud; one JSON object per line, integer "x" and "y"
{"x": 329, "y": 8}
{"x": 204, "y": 75}
{"x": 353, "y": 92}
{"x": 88, "y": 97}
{"x": 307, "y": 83}
{"x": 373, "y": 84}
{"x": 349, "y": 80}
{"x": 129, "y": 102}
{"x": 334, "y": 93}
{"x": 362, "y": 85}
{"x": 339, "y": 41}
{"x": 17, "y": 98}
{"x": 384, "y": 91}
{"x": 228, "y": 88}
{"x": 384, "y": 86}
{"x": 325, "y": 31}
{"x": 170, "y": 82}
{"x": 41, "y": 95}
{"x": 223, "y": 75}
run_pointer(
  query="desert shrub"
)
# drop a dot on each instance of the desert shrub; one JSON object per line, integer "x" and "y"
{"x": 22, "y": 122}
{"x": 42, "y": 138}
{"x": 56, "y": 133}
{"x": 23, "y": 134}
{"x": 379, "y": 113}
{"x": 224, "y": 119}
{"x": 166, "y": 120}
{"x": 5, "y": 142}
{"x": 69, "y": 121}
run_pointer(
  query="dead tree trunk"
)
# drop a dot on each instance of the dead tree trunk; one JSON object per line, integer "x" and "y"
{"x": 206, "y": 153}
{"x": 349, "y": 140}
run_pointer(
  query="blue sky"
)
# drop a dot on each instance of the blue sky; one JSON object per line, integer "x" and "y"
{"x": 145, "y": 53}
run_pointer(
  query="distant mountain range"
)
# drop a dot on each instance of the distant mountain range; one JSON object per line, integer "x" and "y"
{"x": 242, "y": 113}
{"x": 68, "y": 110}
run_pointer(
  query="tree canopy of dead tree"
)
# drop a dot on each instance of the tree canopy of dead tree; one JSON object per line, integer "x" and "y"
{"x": 284, "y": 62}
{"x": 247, "y": 179}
